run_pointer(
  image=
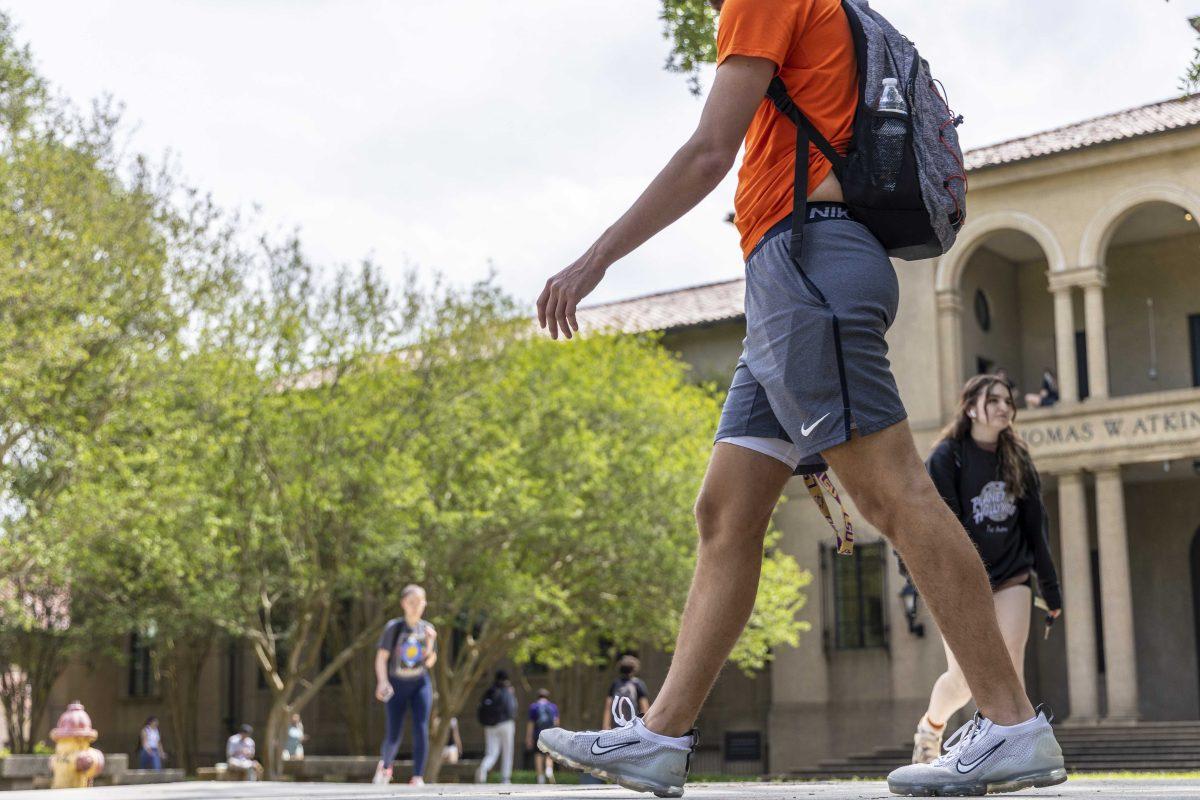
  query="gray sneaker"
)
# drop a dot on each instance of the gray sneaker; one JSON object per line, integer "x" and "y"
{"x": 981, "y": 758}
{"x": 631, "y": 755}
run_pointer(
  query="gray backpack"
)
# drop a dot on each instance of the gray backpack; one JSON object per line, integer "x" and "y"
{"x": 903, "y": 176}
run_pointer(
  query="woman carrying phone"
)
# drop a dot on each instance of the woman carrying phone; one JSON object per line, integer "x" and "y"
{"x": 406, "y": 653}
{"x": 984, "y": 472}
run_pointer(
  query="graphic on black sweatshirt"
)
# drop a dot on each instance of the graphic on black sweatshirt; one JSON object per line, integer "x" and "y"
{"x": 993, "y": 502}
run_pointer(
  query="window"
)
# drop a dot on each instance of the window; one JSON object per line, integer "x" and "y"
{"x": 858, "y": 590}
{"x": 141, "y": 666}
{"x": 743, "y": 745}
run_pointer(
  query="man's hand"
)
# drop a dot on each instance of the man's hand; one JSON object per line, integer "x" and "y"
{"x": 693, "y": 172}
{"x": 558, "y": 300}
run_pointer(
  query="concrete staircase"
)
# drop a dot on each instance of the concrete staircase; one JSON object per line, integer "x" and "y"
{"x": 1144, "y": 746}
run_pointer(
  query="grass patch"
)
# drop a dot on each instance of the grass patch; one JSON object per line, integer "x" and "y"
{"x": 1190, "y": 775}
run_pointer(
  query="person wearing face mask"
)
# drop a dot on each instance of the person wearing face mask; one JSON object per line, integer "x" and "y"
{"x": 984, "y": 472}
{"x": 405, "y": 654}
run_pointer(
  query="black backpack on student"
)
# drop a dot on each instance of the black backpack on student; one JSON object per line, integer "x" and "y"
{"x": 491, "y": 709}
{"x": 911, "y": 197}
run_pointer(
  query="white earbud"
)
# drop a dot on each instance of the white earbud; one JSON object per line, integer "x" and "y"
{"x": 971, "y": 414}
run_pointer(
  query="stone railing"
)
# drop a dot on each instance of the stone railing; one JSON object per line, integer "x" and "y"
{"x": 1162, "y": 426}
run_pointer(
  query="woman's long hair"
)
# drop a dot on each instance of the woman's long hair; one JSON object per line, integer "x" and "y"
{"x": 1016, "y": 465}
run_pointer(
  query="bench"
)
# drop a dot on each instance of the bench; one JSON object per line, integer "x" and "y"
{"x": 33, "y": 772}
{"x": 138, "y": 777}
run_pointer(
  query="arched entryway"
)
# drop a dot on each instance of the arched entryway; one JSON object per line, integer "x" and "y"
{"x": 1007, "y": 318}
{"x": 981, "y": 285}
{"x": 1152, "y": 326}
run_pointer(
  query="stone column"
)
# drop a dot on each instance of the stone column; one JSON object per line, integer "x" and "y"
{"x": 1097, "y": 343}
{"x": 1078, "y": 615}
{"x": 949, "y": 310}
{"x": 1116, "y": 596}
{"x": 1064, "y": 343}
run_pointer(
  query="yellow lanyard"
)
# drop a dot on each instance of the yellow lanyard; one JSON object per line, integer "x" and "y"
{"x": 845, "y": 541}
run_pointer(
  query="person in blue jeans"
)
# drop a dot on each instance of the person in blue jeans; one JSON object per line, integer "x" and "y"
{"x": 406, "y": 652}
{"x": 150, "y": 754}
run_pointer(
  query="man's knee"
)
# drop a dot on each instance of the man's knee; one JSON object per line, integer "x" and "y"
{"x": 721, "y": 521}
{"x": 897, "y": 506}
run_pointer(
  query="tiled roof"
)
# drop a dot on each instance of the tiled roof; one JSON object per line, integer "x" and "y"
{"x": 680, "y": 308}
{"x": 716, "y": 302}
{"x": 1181, "y": 112}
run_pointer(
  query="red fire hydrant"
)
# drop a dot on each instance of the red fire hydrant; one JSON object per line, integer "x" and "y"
{"x": 75, "y": 762}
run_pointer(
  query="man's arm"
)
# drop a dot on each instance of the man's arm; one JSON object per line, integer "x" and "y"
{"x": 693, "y": 172}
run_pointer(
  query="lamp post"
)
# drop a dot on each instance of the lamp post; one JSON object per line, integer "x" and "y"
{"x": 909, "y": 597}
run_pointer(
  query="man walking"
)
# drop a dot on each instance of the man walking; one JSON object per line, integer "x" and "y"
{"x": 497, "y": 714}
{"x": 813, "y": 385}
{"x": 543, "y": 715}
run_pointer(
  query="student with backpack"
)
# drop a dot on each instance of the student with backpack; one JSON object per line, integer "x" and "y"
{"x": 543, "y": 715}
{"x": 984, "y": 472}
{"x": 851, "y": 155}
{"x": 407, "y": 650}
{"x": 497, "y": 713}
{"x": 626, "y": 685}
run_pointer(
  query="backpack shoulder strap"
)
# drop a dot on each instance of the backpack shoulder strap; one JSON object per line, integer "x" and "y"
{"x": 777, "y": 93}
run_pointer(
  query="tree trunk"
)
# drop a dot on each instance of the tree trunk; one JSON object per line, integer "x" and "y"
{"x": 357, "y": 674}
{"x": 277, "y": 720}
{"x": 181, "y": 664}
{"x": 25, "y": 686}
{"x": 14, "y": 695}
{"x": 455, "y": 684}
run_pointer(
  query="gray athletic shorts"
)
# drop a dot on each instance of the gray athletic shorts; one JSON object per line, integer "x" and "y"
{"x": 814, "y": 361}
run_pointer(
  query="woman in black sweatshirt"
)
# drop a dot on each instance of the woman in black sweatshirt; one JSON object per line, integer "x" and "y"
{"x": 985, "y": 474}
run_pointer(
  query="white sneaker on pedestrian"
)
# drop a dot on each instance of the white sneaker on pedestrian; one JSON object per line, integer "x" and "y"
{"x": 927, "y": 742}
{"x": 631, "y": 754}
{"x": 416, "y": 780}
{"x": 382, "y": 775}
{"x": 982, "y": 758}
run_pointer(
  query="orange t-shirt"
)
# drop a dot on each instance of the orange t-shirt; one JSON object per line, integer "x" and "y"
{"x": 809, "y": 41}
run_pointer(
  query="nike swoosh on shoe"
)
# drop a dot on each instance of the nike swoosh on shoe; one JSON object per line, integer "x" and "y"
{"x": 959, "y": 766}
{"x": 608, "y": 749}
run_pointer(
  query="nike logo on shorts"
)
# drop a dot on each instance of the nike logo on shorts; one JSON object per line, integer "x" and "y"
{"x": 608, "y": 749}
{"x": 805, "y": 430}
{"x": 971, "y": 767}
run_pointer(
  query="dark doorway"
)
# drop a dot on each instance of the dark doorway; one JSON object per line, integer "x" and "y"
{"x": 1196, "y": 590}
{"x": 1081, "y": 365}
{"x": 1194, "y": 336}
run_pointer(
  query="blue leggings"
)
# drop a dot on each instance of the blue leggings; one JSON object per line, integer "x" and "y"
{"x": 415, "y": 693}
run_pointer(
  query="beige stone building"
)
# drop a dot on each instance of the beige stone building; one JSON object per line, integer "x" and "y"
{"x": 1081, "y": 254}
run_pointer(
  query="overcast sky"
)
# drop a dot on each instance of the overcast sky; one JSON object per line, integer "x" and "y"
{"x": 457, "y": 133}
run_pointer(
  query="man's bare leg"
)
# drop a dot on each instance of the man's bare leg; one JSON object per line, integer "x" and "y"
{"x": 739, "y": 494}
{"x": 885, "y": 477}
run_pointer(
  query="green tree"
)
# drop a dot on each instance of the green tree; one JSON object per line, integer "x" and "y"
{"x": 561, "y": 482}
{"x": 103, "y": 260}
{"x": 690, "y": 26}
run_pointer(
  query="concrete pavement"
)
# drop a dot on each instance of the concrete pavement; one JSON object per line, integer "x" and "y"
{"x": 858, "y": 790}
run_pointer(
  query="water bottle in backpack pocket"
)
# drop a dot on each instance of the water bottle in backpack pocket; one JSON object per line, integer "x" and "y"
{"x": 890, "y": 129}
